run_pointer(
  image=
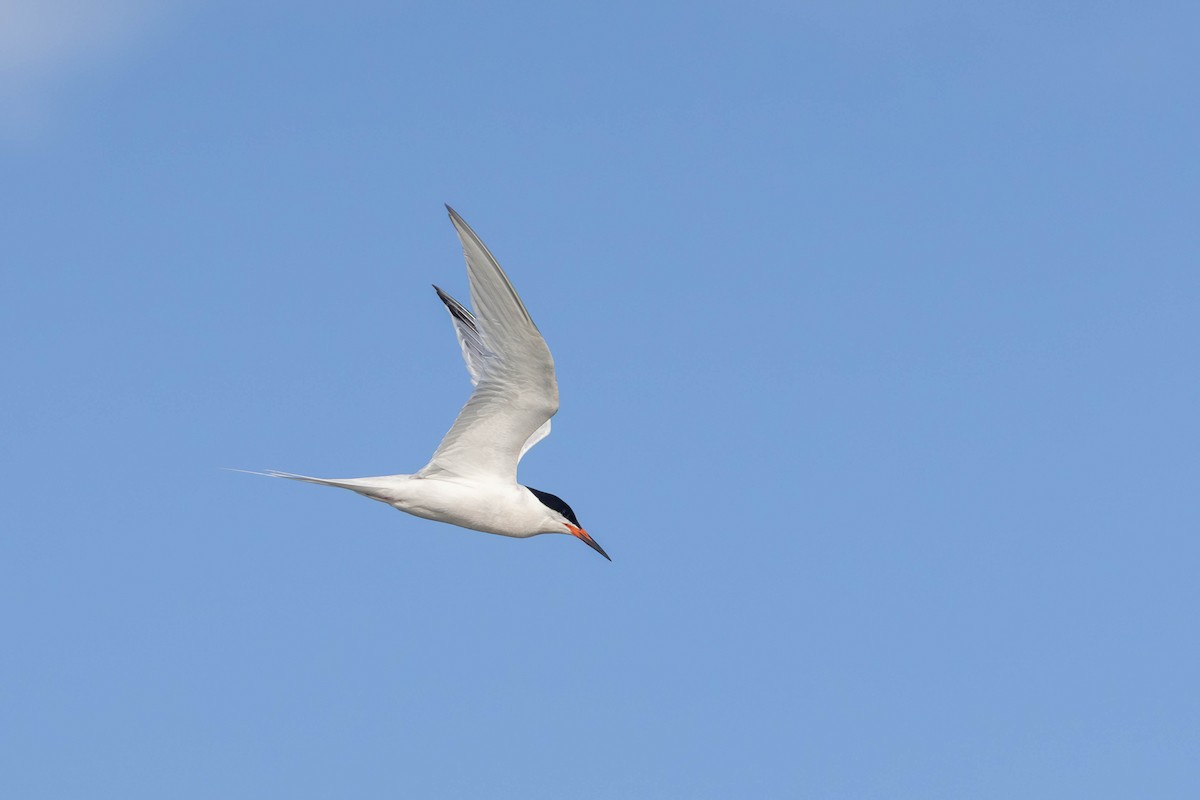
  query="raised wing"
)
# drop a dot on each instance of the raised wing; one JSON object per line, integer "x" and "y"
{"x": 516, "y": 392}
{"x": 475, "y": 355}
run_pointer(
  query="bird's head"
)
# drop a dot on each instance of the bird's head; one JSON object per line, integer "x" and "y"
{"x": 562, "y": 515}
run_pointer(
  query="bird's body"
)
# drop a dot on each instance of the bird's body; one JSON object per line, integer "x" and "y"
{"x": 504, "y": 509}
{"x": 471, "y": 480}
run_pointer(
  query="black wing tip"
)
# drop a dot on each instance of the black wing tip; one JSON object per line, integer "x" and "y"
{"x": 456, "y": 308}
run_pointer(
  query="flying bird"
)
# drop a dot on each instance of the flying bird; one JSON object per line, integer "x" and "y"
{"x": 471, "y": 480}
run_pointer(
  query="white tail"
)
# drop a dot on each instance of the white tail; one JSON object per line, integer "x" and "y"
{"x": 381, "y": 488}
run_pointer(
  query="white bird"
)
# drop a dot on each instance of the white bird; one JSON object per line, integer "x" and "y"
{"x": 471, "y": 481}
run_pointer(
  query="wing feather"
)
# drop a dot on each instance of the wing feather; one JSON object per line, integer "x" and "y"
{"x": 516, "y": 392}
{"x": 469, "y": 338}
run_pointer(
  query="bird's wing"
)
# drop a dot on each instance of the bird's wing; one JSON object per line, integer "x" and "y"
{"x": 469, "y": 337}
{"x": 475, "y": 355}
{"x": 515, "y": 394}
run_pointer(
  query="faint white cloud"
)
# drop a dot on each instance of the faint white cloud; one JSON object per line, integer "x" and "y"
{"x": 44, "y": 42}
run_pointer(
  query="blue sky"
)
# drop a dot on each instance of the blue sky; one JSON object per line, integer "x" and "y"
{"x": 876, "y": 333}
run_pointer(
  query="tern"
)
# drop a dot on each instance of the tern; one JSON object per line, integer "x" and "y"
{"x": 471, "y": 480}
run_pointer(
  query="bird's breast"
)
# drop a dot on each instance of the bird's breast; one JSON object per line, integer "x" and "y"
{"x": 488, "y": 508}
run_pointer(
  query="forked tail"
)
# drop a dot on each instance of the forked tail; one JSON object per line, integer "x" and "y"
{"x": 374, "y": 488}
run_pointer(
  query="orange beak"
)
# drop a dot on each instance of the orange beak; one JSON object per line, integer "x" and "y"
{"x": 580, "y": 533}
